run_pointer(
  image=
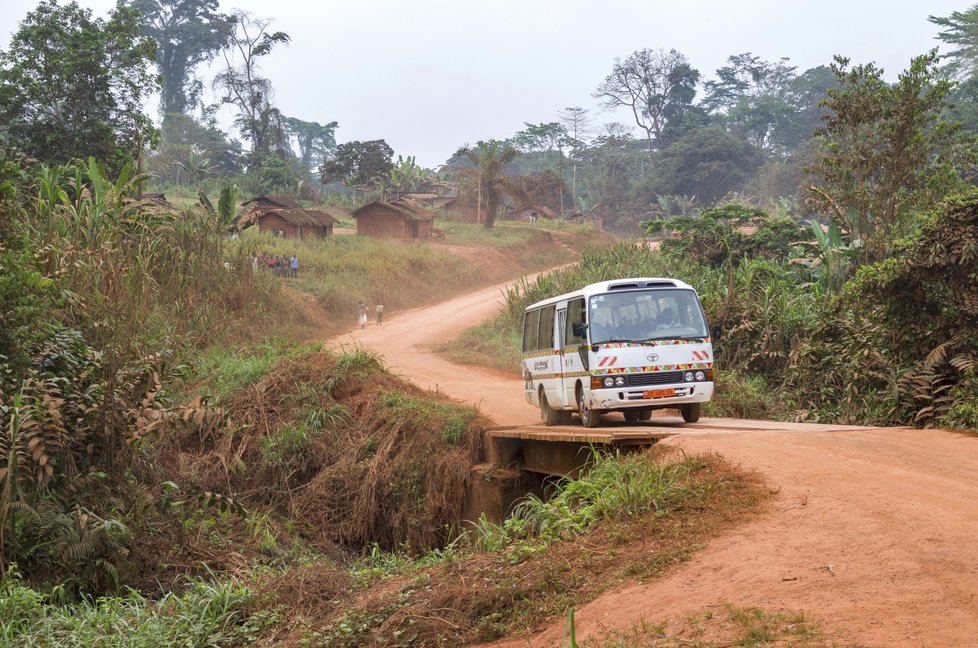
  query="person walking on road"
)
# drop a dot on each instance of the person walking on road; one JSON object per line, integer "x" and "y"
{"x": 380, "y": 314}
{"x": 362, "y": 314}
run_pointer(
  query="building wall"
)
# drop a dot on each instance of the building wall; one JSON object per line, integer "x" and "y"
{"x": 465, "y": 213}
{"x": 275, "y": 223}
{"x": 382, "y": 223}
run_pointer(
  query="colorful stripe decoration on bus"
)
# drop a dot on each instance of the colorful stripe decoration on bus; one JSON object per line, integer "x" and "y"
{"x": 626, "y": 345}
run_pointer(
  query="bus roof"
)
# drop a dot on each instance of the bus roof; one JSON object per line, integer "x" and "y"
{"x": 616, "y": 285}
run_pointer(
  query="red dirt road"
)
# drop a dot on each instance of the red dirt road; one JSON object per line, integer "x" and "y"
{"x": 872, "y": 531}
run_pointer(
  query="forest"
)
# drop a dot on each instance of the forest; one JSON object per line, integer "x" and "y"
{"x": 828, "y": 217}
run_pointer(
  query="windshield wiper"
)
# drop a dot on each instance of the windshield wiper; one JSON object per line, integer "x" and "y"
{"x": 614, "y": 341}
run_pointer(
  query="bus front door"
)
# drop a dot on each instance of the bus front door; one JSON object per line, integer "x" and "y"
{"x": 565, "y": 382}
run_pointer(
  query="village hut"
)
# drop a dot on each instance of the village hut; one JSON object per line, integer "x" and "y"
{"x": 533, "y": 213}
{"x": 283, "y": 216}
{"x": 464, "y": 209}
{"x": 401, "y": 218}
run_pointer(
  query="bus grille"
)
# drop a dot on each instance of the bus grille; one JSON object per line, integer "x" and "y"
{"x": 657, "y": 378}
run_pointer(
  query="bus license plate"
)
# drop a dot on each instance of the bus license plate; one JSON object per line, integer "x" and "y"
{"x": 659, "y": 393}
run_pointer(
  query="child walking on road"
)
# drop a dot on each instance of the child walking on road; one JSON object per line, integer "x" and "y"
{"x": 380, "y": 314}
{"x": 362, "y": 314}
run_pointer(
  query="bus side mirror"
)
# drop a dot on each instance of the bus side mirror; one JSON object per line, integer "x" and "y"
{"x": 578, "y": 329}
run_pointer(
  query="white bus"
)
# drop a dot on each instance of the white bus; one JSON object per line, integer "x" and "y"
{"x": 628, "y": 345}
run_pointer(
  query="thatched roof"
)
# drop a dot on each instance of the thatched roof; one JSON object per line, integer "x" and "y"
{"x": 285, "y": 208}
{"x": 409, "y": 209}
{"x": 268, "y": 200}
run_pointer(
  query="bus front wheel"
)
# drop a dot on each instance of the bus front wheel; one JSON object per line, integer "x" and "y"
{"x": 691, "y": 412}
{"x": 590, "y": 417}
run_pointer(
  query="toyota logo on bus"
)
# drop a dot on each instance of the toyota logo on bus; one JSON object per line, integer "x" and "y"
{"x": 652, "y": 357}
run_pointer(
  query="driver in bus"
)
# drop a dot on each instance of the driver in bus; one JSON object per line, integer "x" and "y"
{"x": 666, "y": 319}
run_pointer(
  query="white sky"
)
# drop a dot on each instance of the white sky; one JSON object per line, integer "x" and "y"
{"x": 430, "y": 76}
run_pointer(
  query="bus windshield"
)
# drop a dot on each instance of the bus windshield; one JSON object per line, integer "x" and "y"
{"x": 645, "y": 315}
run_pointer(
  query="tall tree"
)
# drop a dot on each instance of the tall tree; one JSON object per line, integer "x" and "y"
{"x": 187, "y": 33}
{"x": 243, "y": 87}
{"x": 315, "y": 141}
{"x": 72, "y": 86}
{"x": 753, "y": 96}
{"x": 887, "y": 152}
{"x": 577, "y": 123}
{"x": 487, "y": 176}
{"x": 960, "y": 31}
{"x": 655, "y": 85}
{"x": 359, "y": 163}
{"x": 706, "y": 163}
{"x": 747, "y": 75}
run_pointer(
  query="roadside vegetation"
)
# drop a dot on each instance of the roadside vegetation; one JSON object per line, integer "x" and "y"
{"x": 801, "y": 330}
{"x": 630, "y": 518}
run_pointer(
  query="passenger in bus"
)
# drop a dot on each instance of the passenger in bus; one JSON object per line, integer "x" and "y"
{"x": 666, "y": 319}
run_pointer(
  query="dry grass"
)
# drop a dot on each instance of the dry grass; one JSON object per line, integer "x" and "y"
{"x": 341, "y": 448}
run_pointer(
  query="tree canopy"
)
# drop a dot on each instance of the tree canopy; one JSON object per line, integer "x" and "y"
{"x": 73, "y": 86}
{"x": 187, "y": 33}
{"x": 887, "y": 151}
{"x": 359, "y": 163}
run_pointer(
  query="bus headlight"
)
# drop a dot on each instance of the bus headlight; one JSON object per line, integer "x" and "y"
{"x": 620, "y": 380}
{"x": 700, "y": 375}
{"x": 688, "y": 376}
{"x": 609, "y": 382}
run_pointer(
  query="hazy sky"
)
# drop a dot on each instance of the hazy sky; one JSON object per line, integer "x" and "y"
{"x": 432, "y": 75}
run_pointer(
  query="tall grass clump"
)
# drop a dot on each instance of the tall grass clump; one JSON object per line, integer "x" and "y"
{"x": 206, "y": 614}
{"x": 615, "y": 487}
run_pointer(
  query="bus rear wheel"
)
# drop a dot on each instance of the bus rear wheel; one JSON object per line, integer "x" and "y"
{"x": 632, "y": 415}
{"x": 590, "y": 417}
{"x": 691, "y": 412}
{"x": 549, "y": 415}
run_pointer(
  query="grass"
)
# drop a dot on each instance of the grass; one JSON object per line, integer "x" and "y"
{"x": 399, "y": 408}
{"x": 226, "y": 371}
{"x": 732, "y": 626}
{"x": 494, "y": 343}
{"x": 220, "y": 613}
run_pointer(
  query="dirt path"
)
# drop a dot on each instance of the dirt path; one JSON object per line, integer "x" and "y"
{"x": 872, "y": 531}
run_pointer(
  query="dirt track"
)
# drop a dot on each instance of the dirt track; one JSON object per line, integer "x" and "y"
{"x": 872, "y": 531}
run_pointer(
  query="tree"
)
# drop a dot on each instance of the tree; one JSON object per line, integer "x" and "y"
{"x": 706, "y": 163}
{"x": 887, "y": 153}
{"x": 72, "y": 86}
{"x": 487, "y": 176}
{"x": 655, "y": 85}
{"x": 577, "y": 123}
{"x": 753, "y": 96}
{"x": 960, "y": 31}
{"x": 251, "y": 94}
{"x": 187, "y": 33}
{"x": 407, "y": 176}
{"x": 359, "y": 163}
{"x": 315, "y": 141}
{"x": 806, "y": 92}
{"x": 746, "y": 75}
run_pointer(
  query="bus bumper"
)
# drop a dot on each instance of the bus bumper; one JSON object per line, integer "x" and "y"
{"x": 620, "y": 398}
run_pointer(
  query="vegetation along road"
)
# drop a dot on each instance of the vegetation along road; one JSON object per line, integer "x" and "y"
{"x": 870, "y": 530}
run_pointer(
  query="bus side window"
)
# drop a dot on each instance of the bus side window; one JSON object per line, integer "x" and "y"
{"x": 530, "y": 323}
{"x": 546, "y": 340}
{"x": 575, "y": 314}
